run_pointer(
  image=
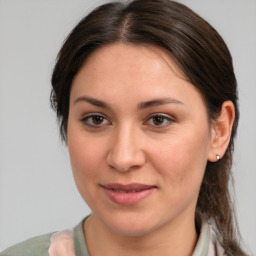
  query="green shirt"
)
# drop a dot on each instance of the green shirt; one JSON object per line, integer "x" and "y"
{"x": 39, "y": 246}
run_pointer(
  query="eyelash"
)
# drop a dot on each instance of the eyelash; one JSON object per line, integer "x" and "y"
{"x": 166, "y": 119}
{"x": 90, "y": 116}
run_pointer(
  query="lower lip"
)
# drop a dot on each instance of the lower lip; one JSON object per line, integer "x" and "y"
{"x": 128, "y": 198}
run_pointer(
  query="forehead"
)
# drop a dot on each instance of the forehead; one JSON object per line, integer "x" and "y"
{"x": 135, "y": 58}
{"x": 128, "y": 72}
{"x": 127, "y": 63}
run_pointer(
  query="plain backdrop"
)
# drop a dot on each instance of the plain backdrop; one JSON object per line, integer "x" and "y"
{"x": 37, "y": 191}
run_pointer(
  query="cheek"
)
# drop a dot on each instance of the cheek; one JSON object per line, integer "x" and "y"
{"x": 86, "y": 153}
{"x": 86, "y": 159}
{"x": 181, "y": 171}
{"x": 182, "y": 161}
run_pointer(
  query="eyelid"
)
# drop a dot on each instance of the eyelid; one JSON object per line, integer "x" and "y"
{"x": 93, "y": 114}
{"x": 167, "y": 117}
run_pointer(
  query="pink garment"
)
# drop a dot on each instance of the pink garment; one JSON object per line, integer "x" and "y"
{"x": 62, "y": 244}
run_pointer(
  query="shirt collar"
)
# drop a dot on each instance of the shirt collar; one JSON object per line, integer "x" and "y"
{"x": 203, "y": 241}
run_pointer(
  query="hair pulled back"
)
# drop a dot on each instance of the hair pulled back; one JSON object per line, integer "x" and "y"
{"x": 201, "y": 54}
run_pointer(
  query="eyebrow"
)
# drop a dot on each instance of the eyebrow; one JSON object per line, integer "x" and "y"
{"x": 157, "y": 102}
{"x": 93, "y": 101}
{"x": 142, "y": 105}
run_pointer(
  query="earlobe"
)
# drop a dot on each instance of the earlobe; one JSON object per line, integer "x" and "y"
{"x": 221, "y": 131}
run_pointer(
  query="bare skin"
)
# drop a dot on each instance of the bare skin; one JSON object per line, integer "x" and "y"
{"x": 135, "y": 119}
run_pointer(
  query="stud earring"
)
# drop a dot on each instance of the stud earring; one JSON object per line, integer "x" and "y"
{"x": 218, "y": 157}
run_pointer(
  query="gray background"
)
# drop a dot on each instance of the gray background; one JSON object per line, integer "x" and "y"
{"x": 37, "y": 192}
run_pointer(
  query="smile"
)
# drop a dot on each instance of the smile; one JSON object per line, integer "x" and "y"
{"x": 129, "y": 194}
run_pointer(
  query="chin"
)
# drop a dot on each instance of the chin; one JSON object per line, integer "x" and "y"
{"x": 131, "y": 230}
{"x": 132, "y": 225}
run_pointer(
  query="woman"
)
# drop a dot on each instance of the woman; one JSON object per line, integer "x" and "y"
{"x": 147, "y": 101}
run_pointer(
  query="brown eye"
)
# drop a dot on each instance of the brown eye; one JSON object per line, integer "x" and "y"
{"x": 97, "y": 120}
{"x": 94, "y": 120}
{"x": 158, "y": 120}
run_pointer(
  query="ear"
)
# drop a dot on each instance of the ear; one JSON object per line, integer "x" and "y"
{"x": 221, "y": 131}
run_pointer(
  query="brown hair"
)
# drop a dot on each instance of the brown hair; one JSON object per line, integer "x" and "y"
{"x": 201, "y": 54}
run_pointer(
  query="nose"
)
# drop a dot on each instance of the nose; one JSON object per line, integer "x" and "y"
{"x": 126, "y": 150}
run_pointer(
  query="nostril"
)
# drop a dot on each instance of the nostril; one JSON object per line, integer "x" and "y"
{"x": 125, "y": 165}
{"x": 122, "y": 168}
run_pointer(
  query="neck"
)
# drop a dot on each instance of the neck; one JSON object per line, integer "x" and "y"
{"x": 177, "y": 238}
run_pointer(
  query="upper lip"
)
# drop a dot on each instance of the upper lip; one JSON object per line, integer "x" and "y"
{"x": 128, "y": 187}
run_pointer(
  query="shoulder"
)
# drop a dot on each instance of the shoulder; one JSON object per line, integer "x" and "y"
{"x": 36, "y": 246}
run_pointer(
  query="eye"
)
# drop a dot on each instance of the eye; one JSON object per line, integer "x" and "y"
{"x": 159, "y": 120}
{"x": 95, "y": 120}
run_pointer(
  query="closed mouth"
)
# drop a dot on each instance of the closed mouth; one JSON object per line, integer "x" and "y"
{"x": 129, "y": 194}
{"x": 128, "y": 188}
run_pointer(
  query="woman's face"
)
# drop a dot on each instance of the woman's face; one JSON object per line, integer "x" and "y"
{"x": 138, "y": 138}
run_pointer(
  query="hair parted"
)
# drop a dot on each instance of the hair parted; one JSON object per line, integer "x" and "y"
{"x": 200, "y": 53}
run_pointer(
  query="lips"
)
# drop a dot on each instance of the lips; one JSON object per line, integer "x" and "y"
{"x": 129, "y": 194}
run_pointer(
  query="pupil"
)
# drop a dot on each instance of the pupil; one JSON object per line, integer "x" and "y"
{"x": 158, "y": 120}
{"x": 97, "y": 119}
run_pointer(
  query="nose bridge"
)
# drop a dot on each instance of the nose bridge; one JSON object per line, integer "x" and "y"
{"x": 126, "y": 149}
